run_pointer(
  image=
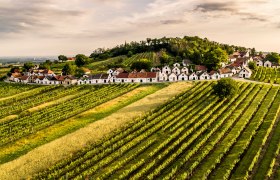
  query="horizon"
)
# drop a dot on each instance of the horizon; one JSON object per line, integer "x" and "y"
{"x": 72, "y": 27}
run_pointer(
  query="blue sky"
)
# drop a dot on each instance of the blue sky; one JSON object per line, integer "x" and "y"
{"x": 51, "y": 27}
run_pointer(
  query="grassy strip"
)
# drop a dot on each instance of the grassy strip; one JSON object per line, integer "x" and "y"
{"x": 46, "y": 155}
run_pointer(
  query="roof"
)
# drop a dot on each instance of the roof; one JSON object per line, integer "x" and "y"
{"x": 212, "y": 72}
{"x": 200, "y": 68}
{"x": 24, "y": 78}
{"x": 123, "y": 75}
{"x": 104, "y": 76}
{"x": 225, "y": 71}
{"x": 143, "y": 75}
{"x": 16, "y": 75}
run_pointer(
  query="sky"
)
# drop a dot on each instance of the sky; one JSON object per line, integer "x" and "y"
{"x": 69, "y": 27}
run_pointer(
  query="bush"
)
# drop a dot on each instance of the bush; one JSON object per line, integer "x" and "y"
{"x": 225, "y": 88}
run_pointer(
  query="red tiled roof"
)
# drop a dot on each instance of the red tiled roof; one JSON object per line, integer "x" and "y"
{"x": 200, "y": 68}
{"x": 24, "y": 78}
{"x": 143, "y": 75}
{"x": 123, "y": 75}
{"x": 225, "y": 71}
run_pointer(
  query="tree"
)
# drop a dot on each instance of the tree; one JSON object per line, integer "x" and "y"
{"x": 44, "y": 66}
{"x": 225, "y": 88}
{"x": 215, "y": 57}
{"x": 253, "y": 65}
{"x": 69, "y": 69}
{"x": 28, "y": 65}
{"x": 81, "y": 60}
{"x": 62, "y": 58}
{"x": 253, "y": 52}
{"x": 273, "y": 57}
{"x": 141, "y": 64}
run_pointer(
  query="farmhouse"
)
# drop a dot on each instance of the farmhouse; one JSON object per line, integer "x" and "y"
{"x": 225, "y": 72}
{"x": 163, "y": 77}
{"x": 166, "y": 70}
{"x": 176, "y": 71}
{"x": 173, "y": 77}
{"x": 214, "y": 75}
{"x": 203, "y": 75}
{"x": 267, "y": 64}
{"x": 183, "y": 77}
{"x": 193, "y": 77}
{"x": 245, "y": 73}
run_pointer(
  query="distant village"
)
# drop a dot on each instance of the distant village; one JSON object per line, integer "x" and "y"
{"x": 237, "y": 66}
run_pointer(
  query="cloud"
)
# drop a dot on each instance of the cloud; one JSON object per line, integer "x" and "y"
{"x": 172, "y": 21}
{"x": 215, "y": 6}
{"x": 235, "y": 8}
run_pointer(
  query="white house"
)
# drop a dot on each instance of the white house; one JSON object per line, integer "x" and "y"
{"x": 122, "y": 78}
{"x": 176, "y": 71}
{"x": 176, "y": 65}
{"x": 245, "y": 73}
{"x": 163, "y": 77}
{"x": 185, "y": 70}
{"x": 166, "y": 70}
{"x": 173, "y": 77}
{"x": 259, "y": 62}
{"x": 225, "y": 72}
{"x": 110, "y": 72}
{"x": 214, "y": 75}
{"x": 193, "y": 77}
{"x": 232, "y": 58}
{"x": 204, "y": 76}
{"x": 183, "y": 77}
{"x": 267, "y": 64}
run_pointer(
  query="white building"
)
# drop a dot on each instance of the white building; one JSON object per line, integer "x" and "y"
{"x": 193, "y": 77}
{"x": 173, "y": 77}
{"x": 245, "y": 73}
{"x": 183, "y": 77}
{"x": 166, "y": 70}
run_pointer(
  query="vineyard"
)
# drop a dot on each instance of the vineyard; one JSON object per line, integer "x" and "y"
{"x": 148, "y": 55}
{"x": 193, "y": 136}
{"x": 268, "y": 75}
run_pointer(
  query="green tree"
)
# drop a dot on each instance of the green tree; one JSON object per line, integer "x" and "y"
{"x": 44, "y": 66}
{"x": 273, "y": 57}
{"x": 69, "y": 69}
{"x": 28, "y": 65}
{"x": 253, "y": 52}
{"x": 225, "y": 88}
{"x": 215, "y": 57}
{"x": 81, "y": 60}
{"x": 141, "y": 64}
{"x": 62, "y": 58}
{"x": 253, "y": 65}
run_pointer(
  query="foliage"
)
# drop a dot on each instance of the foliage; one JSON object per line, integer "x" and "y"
{"x": 81, "y": 60}
{"x": 69, "y": 69}
{"x": 267, "y": 75}
{"x": 62, "y": 58}
{"x": 141, "y": 64}
{"x": 28, "y": 65}
{"x": 214, "y": 58}
{"x": 273, "y": 57}
{"x": 225, "y": 88}
{"x": 172, "y": 50}
{"x": 44, "y": 65}
{"x": 252, "y": 65}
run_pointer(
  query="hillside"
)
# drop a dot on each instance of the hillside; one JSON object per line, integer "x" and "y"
{"x": 194, "y": 135}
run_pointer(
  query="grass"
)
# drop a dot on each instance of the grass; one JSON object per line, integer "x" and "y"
{"x": 114, "y": 114}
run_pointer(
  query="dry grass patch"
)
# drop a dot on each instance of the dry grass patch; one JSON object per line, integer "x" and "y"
{"x": 8, "y": 118}
{"x": 41, "y": 158}
{"x": 51, "y": 103}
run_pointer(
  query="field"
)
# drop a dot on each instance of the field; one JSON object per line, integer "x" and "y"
{"x": 148, "y": 55}
{"x": 191, "y": 136}
{"x": 268, "y": 75}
